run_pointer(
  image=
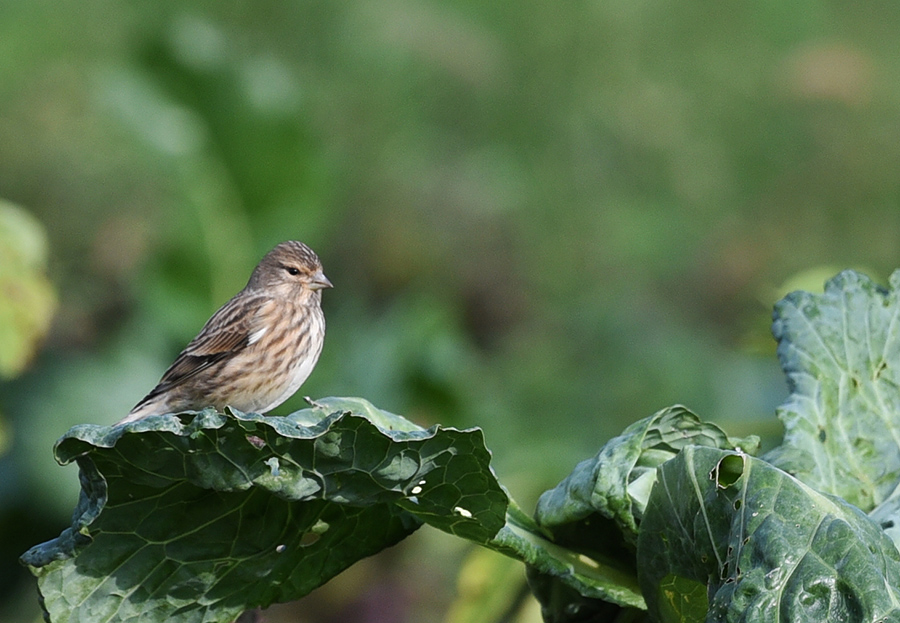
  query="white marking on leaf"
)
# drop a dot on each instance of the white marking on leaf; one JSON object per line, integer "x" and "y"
{"x": 462, "y": 511}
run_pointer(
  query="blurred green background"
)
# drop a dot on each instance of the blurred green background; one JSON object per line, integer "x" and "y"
{"x": 547, "y": 219}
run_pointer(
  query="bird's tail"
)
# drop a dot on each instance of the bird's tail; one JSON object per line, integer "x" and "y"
{"x": 147, "y": 406}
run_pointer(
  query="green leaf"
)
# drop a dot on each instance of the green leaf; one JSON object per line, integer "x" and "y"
{"x": 764, "y": 545}
{"x": 199, "y": 517}
{"x": 580, "y": 549}
{"x": 616, "y": 483}
{"x": 27, "y": 299}
{"x": 555, "y": 570}
{"x": 682, "y": 600}
{"x": 841, "y": 353}
{"x": 887, "y": 516}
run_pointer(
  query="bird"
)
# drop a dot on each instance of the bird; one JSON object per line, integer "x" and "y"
{"x": 258, "y": 349}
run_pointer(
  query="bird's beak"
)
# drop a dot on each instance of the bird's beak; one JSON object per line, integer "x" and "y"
{"x": 319, "y": 281}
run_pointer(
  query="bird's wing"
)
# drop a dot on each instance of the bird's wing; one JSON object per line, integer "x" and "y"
{"x": 224, "y": 335}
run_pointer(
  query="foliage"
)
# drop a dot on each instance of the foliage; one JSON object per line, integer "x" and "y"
{"x": 540, "y": 218}
{"x": 27, "y": 299}
{"x": 199, "y": 520}
{"x": 195, "y": 517}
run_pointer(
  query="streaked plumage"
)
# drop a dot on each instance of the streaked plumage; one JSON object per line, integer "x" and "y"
{"x": 258, "y": 348}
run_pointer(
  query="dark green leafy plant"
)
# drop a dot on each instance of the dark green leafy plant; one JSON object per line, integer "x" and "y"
{"x": 197, "y": 517}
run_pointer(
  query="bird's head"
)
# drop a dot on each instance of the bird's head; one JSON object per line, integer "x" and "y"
{"x": 291, "y": 270}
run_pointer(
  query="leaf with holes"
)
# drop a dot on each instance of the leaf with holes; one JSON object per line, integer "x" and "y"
{"x": 841, "y": 353}
{"x": 198, "y": 517}
{"x": 590, "y": 521}
{"x": 762, "y": 545}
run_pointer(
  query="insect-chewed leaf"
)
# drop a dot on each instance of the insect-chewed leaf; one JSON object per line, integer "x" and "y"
{"x": 199, "y": 517}
{"x": 841, "y": 353}
{"x": 580, "y": 552}
{"x": 615, "y": 484}
{"x": 756, "y": 541}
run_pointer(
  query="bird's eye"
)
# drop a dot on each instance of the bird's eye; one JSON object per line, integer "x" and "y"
{"x": 292, "y": 270}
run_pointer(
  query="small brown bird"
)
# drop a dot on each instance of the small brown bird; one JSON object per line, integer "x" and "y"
{"x": 258, "y": 349}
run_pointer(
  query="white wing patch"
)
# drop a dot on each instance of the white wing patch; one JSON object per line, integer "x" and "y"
{"x": 256, "y": 335}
